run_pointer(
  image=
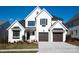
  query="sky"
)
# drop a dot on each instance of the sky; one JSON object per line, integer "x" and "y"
{"x": 20, "y": 12}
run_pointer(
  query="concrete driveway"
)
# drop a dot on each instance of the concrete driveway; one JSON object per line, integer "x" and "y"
{"x": 57, "y": 47}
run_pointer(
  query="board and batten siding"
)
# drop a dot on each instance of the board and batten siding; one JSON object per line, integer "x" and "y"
{"x": 74, "y": 34}
{"x": 39, "y": 27}
{"x": 10, "y": 33}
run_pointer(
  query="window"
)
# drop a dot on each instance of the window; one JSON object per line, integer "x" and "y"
{"x": 16, "y": 34}
{"x": 31, "y": 23}
{"x": 43, "y": 22}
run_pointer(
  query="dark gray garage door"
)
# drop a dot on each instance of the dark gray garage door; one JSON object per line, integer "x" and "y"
{"x": 43, "y": 36}
{"x": 57, "y": 36}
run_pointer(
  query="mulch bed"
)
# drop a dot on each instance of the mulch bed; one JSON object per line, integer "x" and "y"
{"x": 73, "y": 41}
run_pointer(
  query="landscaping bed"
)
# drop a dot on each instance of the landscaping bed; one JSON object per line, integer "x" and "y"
{"x": 73, "y": 41}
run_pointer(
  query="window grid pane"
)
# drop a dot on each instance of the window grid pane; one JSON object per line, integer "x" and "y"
{"x": 16, "y": 34}
{"x": 43, "y": 22}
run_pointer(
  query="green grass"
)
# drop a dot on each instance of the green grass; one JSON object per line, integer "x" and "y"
{"x": 19, "y": 46}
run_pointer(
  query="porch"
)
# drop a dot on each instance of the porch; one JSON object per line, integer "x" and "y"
{"x": 30, "y": 33}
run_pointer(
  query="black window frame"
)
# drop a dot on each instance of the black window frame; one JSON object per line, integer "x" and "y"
{"x": 31, "y": 23}
{"x": 16, "y": 34}
{"x": 43, "y": 22}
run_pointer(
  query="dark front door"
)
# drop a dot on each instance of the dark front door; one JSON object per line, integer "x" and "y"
{"x": 57, "y": 36}
{"x": 28, "y": 35}
{"x": 43, "y": 36}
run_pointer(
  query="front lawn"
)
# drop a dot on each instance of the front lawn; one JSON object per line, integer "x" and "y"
{"x": 19, "y": 46}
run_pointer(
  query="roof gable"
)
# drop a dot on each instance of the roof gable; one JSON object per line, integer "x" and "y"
{"x": 59, "y": 23}
{"x": 37, "y": 8}
{"x": 13, "y": 24}
{"x": 44, "y": 10}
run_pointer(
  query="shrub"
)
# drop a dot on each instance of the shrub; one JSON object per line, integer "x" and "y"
{"x": 27, "y": 41}
{"x": 14, "y": 42}
{"x": 20, "y": 42}
{"x": 33, "y": 41}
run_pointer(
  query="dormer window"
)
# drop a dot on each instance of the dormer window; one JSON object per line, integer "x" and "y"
{"x": 43, "y": 22}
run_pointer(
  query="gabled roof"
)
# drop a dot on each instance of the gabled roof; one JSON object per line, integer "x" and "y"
{"x": 57, "y": 18}
{"x": 22, "y": 22}
{"x": 74, "y": 21}
{"x": 56, "y": 23}
{"x": 2, "y": 22}
{"x": 45, "y": 11}
{"x": 33, "y": 11}
{"x": 13, "y": 24}
{"x": 52, "y": 16}
{"x": 5, "y": 25}
{"x": 75, "y": 17}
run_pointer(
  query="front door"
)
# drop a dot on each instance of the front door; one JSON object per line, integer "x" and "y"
{"x": 28, "y": 35}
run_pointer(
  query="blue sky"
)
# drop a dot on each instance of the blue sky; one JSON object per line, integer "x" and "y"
{"x": 20, "y": 12}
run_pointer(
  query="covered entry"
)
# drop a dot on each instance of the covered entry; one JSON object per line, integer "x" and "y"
{"x": 43, "y": 36}
{"x": 57, "y": 35}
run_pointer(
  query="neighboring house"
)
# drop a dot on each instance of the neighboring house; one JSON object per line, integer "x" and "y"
{"x": 73, "y": 26}
{"x": 39, "y": 25}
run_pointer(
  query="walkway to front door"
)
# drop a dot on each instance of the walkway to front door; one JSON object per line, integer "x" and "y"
{"x": 57, "y": 47}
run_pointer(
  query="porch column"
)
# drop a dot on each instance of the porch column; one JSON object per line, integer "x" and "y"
{"x": 25, "y": 35}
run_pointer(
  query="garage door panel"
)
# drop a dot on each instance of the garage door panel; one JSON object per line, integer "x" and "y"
{"x": 57, "y": 36}
{"x": 43, "y": 36}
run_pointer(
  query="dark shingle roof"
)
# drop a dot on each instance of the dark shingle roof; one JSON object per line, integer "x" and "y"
{"x": 57, "y": 18}
{"x": 22, "y": 22}
{"x": 74, "y": 21}
{"x": 2, "y": 21}
{"x": 5, "y": 25}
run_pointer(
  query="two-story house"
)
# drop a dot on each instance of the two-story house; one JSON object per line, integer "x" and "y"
{"x": 39, "y": 25}
{"x": 73, "y": 26}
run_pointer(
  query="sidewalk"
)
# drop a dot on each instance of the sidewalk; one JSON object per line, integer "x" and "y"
{"x": 17, "y": 50}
